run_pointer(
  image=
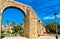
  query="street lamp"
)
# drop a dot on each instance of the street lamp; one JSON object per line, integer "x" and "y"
{"x": 55, "y": 15}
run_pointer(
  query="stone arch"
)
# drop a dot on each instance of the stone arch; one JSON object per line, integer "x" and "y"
{"x": 18, "y": 9}
{"x": 30, "y": 28}
{"x": 14, "y": 4}
{"x": 26, "y": 21}
{"x": 15, "y": 8}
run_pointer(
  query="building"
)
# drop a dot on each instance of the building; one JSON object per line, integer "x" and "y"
{"x": 7, "y": 28}
{"x": 4, "y": 27}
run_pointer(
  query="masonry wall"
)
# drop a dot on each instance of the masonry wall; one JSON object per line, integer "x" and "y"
{"x": 30, "y": 28}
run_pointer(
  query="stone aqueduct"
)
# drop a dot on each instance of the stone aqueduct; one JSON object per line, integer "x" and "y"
{"x": 32, "y": 22}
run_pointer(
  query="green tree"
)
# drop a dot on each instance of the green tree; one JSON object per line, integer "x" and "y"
{"x": 7, "y": 21}
{"x": 18, "y": 29}
{"x": 13, "y": 23}
{"x": 52, "y": 27}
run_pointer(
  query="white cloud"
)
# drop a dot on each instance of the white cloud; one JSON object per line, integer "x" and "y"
{"x": 48, "y": 17}
{"x": 51, "y": 17}
{"x": 59, "y": 16}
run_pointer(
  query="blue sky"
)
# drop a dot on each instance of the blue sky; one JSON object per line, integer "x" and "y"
{"x": 45, "y": 9}
{"x": 13, "y": 15}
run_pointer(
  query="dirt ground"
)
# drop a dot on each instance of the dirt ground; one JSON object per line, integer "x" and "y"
{"x": 41, "y": 37}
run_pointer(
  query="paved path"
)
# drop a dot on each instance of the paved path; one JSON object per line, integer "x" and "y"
{"x": 47, "y": 37}
{"x": 18, "y": 37}
{"x": 41, "y": 37}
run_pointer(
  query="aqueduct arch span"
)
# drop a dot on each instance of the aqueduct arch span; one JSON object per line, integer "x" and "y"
{"x": 31, "y": 20}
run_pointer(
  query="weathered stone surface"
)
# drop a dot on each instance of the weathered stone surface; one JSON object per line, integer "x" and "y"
{"x": 40, "y": 28}
{"x": 32, "y": 26}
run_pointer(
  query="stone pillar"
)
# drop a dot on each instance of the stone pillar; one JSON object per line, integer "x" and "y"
{"x": 30, "y": 29}
{"x": 33, "y": 28}
{"x": 26, "y": 27}
{"x": 32, "y": 25}
{"x": 41, "y": 29}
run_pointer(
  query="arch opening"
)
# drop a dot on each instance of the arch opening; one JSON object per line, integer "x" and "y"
{"x": 12, "y": 16}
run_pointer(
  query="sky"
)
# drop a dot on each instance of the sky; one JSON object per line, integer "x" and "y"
{"x": 13, "y": 15}
{"x": 44, "y": 9}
